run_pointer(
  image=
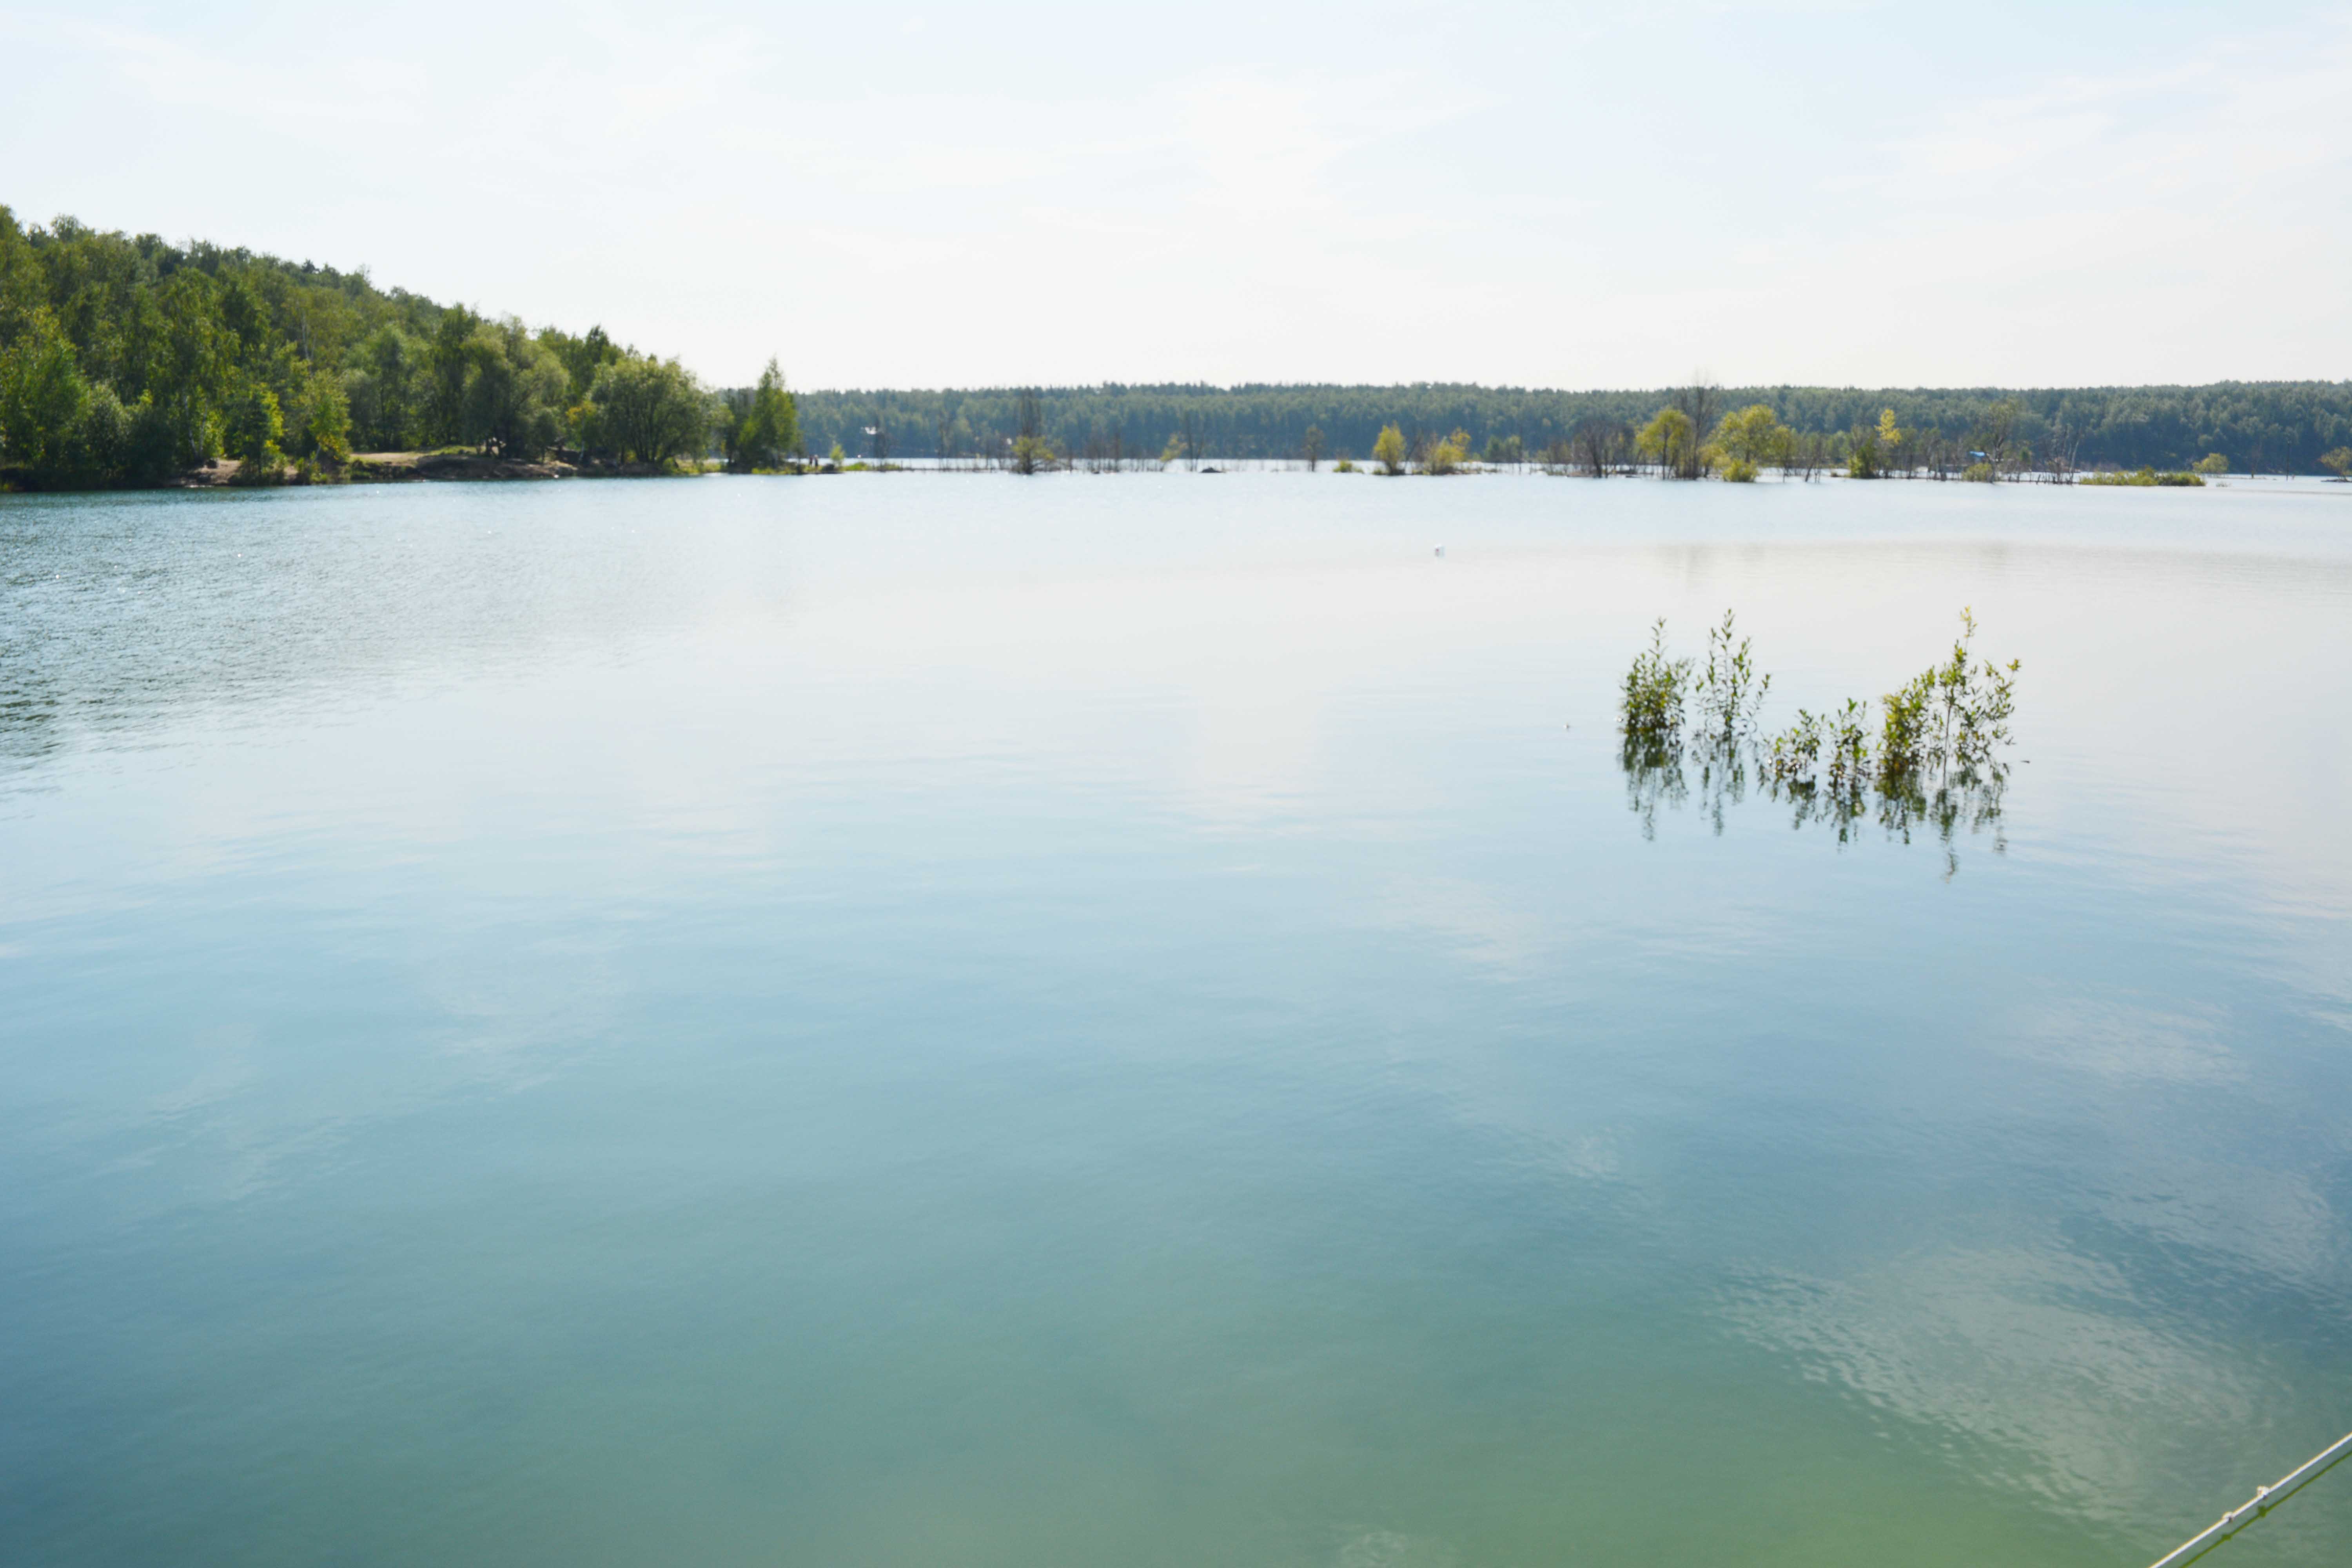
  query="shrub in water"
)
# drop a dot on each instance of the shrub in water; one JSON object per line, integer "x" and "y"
{"x": 1938, "y": 742}
{"x": 1653, "y": 705}
{"x": 1729, "y": 691}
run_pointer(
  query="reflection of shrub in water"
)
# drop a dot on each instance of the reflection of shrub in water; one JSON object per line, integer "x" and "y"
{"x": 1653, "y": 776}
{"x": 1821, "y": 766}
{"x": 1937, "y": 763}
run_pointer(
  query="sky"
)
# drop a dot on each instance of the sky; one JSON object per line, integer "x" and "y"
{"x": 1762, "y": 191}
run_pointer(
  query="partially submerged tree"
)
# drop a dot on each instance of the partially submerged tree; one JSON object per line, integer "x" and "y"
{"x": 1871, "y": 449}
{"x": 1031, "y": 449}
{"x": 1749, "y": 440}
{"x": 1600, "y": 445}
{"x": 1670, "y": 441}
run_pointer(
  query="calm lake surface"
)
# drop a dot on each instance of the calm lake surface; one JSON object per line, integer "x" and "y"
{"x": 940, "y": 1019}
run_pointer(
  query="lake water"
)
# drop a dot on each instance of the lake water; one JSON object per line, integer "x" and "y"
{"x": 941, "y": 1019}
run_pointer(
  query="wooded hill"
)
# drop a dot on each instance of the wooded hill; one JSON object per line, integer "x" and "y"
{"x": 131, "y": 361}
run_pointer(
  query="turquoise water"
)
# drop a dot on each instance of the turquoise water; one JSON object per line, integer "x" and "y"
{"x": 942, "y": 1019}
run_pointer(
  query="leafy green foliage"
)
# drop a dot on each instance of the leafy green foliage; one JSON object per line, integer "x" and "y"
{"x": 2144, "y": 477}
{"x": 1670, "y": 440}
{"x": 1873, "y": 450}
{"x": 1652, "y": 706}
{"x": 1937, "y": 759}
{"x": 129, "y": 361}
{"x": 759, "y": 427}
{"x": 1389, "y": 450}
{"x": 1748, "y": 441}
{"x": 1729, "y": 689}
{"x": 646, "y": 411}
{"x": 256, "y": 426}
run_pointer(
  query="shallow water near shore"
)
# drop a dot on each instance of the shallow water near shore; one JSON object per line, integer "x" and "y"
{"x": 939, "y": 1019}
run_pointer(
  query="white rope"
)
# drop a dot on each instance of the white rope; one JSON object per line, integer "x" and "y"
{"x": 2264, "y": 1499}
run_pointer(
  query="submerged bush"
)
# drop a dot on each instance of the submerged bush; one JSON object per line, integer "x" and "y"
{"x": 1729, "y": 691}
{"x": 1651, "y": 709}
{"x": 1940, "y": 738}
{"x": 2143, "y": 477}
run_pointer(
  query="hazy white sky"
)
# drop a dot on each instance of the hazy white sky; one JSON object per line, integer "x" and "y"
{"x": 1562, "y": 194}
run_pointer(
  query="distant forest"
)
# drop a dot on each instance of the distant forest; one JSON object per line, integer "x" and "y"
{"x": 2272, "y": 427}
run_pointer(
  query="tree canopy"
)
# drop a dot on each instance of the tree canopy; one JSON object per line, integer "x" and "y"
{"x": 129, "y": 360}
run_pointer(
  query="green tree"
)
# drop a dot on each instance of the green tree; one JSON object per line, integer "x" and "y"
{"x": 581, "y": 358}
{"x": 190, "y": 363}
{"x": 1310, "y": 447}
{"x": 322, "y": 422}
{"x": 381, "y": 389}
{"x": 2340, "y": 460}
{"x": 1388, "y": 451}
{"x": 1751, "y": 439}
{"x": 448, "y": 365}
{"x": 1669, "y": 441}
{"x": 514, "y": 386}
{"x": 648, "y": 411}
{"x": 42, "y": 399}
{"x": 761, "y": 425}
{"x": 1872, "y": 447}
{"x": 255, "y": 426}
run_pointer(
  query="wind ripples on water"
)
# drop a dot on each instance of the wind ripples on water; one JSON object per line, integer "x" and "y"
{"x": 1128, "y": 1019}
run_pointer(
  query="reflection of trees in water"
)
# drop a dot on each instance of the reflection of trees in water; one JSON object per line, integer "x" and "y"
{"x": 1934, "y": 768}
{"x": 1902, "y": 803}
{"x": 1653, "y": 777}
{"x": 1717, "y": 774}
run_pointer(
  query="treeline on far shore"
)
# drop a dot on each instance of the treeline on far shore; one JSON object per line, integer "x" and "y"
{"x": 129, "y": 360}
{"x": 2257, "y": 427}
